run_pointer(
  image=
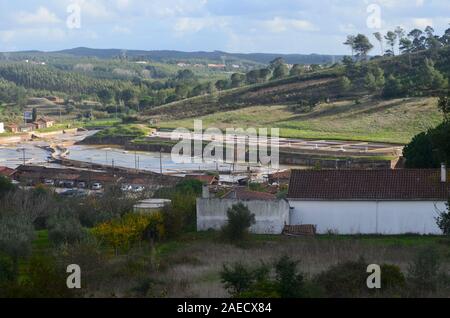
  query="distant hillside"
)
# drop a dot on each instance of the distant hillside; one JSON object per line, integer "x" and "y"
{"x": 285, "y": 91}
{"x": 218, "y": 56}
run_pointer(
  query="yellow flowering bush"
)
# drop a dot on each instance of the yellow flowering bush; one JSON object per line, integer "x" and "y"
{"x": 122, "y": 233}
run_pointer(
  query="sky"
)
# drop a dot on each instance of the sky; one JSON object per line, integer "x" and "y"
{"x": 244, "y": 26}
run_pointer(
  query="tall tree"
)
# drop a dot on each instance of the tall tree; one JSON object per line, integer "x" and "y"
{"x": 379, "y": 38}
{"x": 351, "y": 43}
{"x": 362, "y": 46}
{"x": 391, "y": 39}
{"x": 418, "y": 40}
{"x": 400, "y": 32}
{"x": 406, "y": 47}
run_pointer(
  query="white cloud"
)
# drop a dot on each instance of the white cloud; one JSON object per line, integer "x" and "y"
{"x": 422, "y": 23}
{"x": 45, "y": 34}
{"x": 185, "y": 25}
{"x": 279, "y": 24}
{"x": 41, "y": 16}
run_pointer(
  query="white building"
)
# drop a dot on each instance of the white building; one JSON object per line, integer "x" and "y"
{"x": 386, "y": 202}
{"x": 369, "y": 201}
{"x": 2, "y": 128}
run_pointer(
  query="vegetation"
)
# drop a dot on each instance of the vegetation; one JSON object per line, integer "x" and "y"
{"x": 240, "y": 219}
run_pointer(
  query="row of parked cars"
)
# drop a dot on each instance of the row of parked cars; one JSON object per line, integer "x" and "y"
{"x": 71, "y": 184}
{"x": 132, "y": 188}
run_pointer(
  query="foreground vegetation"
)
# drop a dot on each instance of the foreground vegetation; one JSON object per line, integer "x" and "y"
{"x": 123, "y": 254}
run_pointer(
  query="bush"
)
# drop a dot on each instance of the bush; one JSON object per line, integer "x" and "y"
{"x": 122, "y": 233}
{"x": 5, "y": 185}
{"x": 65, "y": 230}
{"x": 240, "y": 219}
{"x": 344, "y": 280}
{"x": 443, "y": 220}
{"x": 16, "y": 237}
{"x": 7, "y": 271}
{"x": 155, "y": 230}
{"x": 237, "y": 278}
{"x": 392, "y": 278}
{"x": 245, "y": 282}
{"x": 423, "y": 272}
{"x": 289, "y": 281}
{"x": 44, "y": 279}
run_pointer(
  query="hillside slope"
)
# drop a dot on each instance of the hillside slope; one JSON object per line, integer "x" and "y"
{"x": 395, "y": 121}
{"x": 285, "y": 91}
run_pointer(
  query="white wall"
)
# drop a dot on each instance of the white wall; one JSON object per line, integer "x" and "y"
{"x": 2, "y": 128}
{"x": 368, "y": 217}
{"x": 271, "y": 216}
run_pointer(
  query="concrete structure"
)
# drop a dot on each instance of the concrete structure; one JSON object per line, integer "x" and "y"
{"x": 151, "y": 205}
{"x": 369, "y": 202}
{"x": 2, "y": 128}
{"x": 271, "y": 215}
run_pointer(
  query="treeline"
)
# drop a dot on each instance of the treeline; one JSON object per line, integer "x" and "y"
{"x": 421, "y": 67}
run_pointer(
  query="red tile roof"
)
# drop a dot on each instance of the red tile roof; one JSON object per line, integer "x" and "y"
{"x": 7, "y": 172}
{"x": 408, "y": 184}
{"x": 247, "y": 195}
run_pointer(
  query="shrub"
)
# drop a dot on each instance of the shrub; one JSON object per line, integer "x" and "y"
{"x": 423, "y": 272}
{"x": 443, "y": 220}
{"x": 245, "y": 282}
{"x": 16, "y": 237}
{"x": 392, "y": 278}
{"x": 7, "y": 272}
{"x": 237, "y": 278}
{"x": 289, "y": 281}
{"x": 65, "y": 230}
{"x": 344, "y": 280}
{"x": 240, "y": 219}
{"x": 5, "y": 185}
{"x": 155, "y": 229}
{"x": 122, "y": 233}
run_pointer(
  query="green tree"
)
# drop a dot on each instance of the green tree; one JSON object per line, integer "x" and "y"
{"x": 443, "y": 220}
{"x": 280, "y": 71}
{"x": 444, "y": 106}
{"x": 105, "y": 96}
{"x": 345, "y": 84}
{"x": 240, "y": 219}
{"x": 362, "y": 46}
{"x": 391, "y": 39}
{"x": 350, "y": 42}
{"x": 429, "y": 77}
{"x": 289, "y": 280}
{"x": 379, "y": 38}
{"x": 296, "y": 70}
{"x": 237, "y": 79}
{"x": 419, "y": 153}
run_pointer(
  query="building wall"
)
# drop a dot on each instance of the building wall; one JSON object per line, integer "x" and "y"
{"x": 2, "y": 128}
{"x": 368, "y": 217}
{"x": 271, "y": 216}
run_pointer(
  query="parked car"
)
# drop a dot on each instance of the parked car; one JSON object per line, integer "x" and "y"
{"x": 69, "y": 184}
{"x": 96, "y": 186}
{"x": 49, "y": 182}
{"x": 138, "y": 189}
{"x": 126, "y": 188}
{"x": 73, "y": 193}
{"x": 81, "y": 185}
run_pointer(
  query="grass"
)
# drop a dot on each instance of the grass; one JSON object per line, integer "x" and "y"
{"x": 395, "y": 121}
{"x": 202, "y": 279}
